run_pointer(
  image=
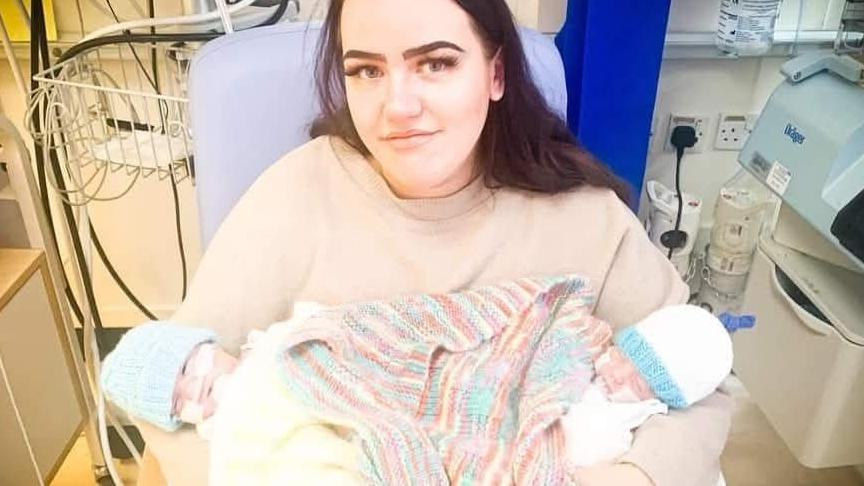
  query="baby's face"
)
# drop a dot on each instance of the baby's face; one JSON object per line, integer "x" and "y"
{"x": 194, "y": 397}
{"x": 623, "y": 381}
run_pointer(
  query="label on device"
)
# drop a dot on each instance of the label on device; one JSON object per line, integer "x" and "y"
{"x": 779, "y": 178}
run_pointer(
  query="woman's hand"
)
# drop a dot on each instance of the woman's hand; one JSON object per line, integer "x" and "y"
{"x": 612, "y": 475}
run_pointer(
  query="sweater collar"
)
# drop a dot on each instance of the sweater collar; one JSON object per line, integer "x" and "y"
{"x": 429, "y": 209}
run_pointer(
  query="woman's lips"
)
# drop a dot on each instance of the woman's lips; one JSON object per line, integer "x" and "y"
{"x": 409, "y": 140}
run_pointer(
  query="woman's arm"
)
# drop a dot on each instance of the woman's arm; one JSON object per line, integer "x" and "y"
{"x": 682, "y": 448}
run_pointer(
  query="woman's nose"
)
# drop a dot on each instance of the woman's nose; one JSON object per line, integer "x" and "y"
{"x": 403, "y": 101}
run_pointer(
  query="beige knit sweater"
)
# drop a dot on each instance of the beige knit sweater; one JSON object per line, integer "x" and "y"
{"x": 321, "y": 225}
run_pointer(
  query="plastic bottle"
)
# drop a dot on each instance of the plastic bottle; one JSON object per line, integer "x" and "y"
{"x": 746, "y": 27}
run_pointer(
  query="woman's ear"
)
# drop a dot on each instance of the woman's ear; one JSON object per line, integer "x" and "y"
{"x": 497, "y": 82}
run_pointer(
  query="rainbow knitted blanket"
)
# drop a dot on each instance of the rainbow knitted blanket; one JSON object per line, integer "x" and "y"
{"x": 464, "y": 388}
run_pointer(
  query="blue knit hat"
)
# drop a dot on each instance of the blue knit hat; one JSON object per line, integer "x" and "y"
{"x": 140, "y": 374}
{"x": 682, "y": 351}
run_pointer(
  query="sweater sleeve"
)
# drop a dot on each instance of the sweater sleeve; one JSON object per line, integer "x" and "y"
{"x": 682, "y": 448}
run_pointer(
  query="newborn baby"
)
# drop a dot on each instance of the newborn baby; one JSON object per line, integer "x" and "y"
{"x": 674, "y": 358}
{"x": 169, "y": 375}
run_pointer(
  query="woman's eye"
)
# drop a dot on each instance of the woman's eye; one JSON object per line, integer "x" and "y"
{"x": 370, "y": 72}
{"x": 364, "y": 72}
{"x": 438, "y": 65}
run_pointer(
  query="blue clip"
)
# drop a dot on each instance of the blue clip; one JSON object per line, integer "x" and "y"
{"x": 733, "y": 322}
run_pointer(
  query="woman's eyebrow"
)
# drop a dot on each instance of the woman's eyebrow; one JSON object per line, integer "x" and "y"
{"x": 355, "y": 54}
{"x": 408, "y": 54}
{"x": 419, "y": 51}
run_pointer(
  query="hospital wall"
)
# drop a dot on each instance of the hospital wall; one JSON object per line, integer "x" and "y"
{"x": 138, "y": 229}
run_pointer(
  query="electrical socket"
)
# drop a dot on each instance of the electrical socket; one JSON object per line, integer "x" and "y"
{"x": 733, "y": 130}
{"x": 699, "y": 123}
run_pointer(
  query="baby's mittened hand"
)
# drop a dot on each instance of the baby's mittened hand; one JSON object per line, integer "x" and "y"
{"x": 612, "y": 475}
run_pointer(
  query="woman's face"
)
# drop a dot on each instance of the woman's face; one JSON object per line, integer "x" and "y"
{"x": 418, "y": 85}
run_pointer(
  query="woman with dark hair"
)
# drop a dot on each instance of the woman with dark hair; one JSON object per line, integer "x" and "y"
{"x": 437, "y": 166}
{"x": 523, "y": 144}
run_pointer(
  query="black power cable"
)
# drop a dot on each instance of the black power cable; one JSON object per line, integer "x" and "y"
{"x": 163, "y": 110}
{"x": 151, "y": 11}
{"x": 179, "y": 228}
{"x": 40, "y": 59}
{"x": 40, "y": 167}
{"x": 683, "y": 137}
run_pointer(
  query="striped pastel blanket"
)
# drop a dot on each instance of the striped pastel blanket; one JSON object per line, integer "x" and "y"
{"x": 464, "y": 388}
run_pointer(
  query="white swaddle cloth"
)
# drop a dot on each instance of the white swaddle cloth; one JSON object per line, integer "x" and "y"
{"x": 598, "y": 430}
{"x": 262, "y": 436}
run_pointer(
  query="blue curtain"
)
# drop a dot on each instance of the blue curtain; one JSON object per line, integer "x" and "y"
{"x": 612, "y": 50}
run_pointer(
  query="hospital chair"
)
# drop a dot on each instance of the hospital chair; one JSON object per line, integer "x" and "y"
{"x": 252, "y": 99}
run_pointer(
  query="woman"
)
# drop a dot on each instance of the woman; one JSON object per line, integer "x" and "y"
{"x": 438, "y": 167}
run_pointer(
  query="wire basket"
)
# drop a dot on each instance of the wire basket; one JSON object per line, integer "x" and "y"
{"x": 112, "y": 108}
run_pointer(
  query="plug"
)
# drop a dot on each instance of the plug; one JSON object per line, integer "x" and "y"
{"x": 683, "y": 137}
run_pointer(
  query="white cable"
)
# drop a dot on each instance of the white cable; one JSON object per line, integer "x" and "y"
{"x": 102, "y": 414}
{"x": 161, "y": 22}
{"x": 83, "y": 218}
{"x": 91, "y": 347}
{"x": 225, "y": 16}
{"x": 91, "y": 356}
{"x": 13, "y": 62}
{"x": 794, "y": 50}
{"x": 250, "y": 17}
{"x": 103, "y": 429}
{"x": 80, "y": 17}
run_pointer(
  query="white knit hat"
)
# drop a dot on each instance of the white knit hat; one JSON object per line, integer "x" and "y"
{"x": 682, "y": 351}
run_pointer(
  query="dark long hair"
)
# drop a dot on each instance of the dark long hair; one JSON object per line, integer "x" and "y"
{"x": 523, "y": 145}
